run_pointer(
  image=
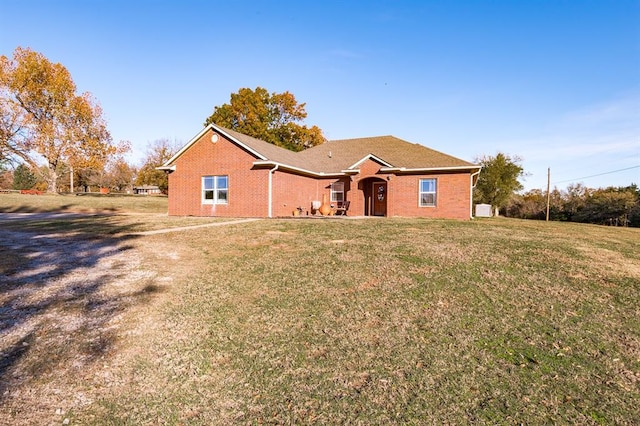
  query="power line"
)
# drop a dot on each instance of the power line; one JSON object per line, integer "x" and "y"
{"x": 599, "y": 174}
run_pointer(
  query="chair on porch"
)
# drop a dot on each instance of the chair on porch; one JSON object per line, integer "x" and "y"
{"x": 342, "y": 208}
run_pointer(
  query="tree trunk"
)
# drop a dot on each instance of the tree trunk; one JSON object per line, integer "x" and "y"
{"x": 52, "y": 179}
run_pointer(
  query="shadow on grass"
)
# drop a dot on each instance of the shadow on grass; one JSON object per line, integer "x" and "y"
{"x": 63, "y": 284}
{"x": 67, "y": 207}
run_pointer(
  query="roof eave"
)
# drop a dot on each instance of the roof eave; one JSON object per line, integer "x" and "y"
{"x": 300, "y": 170}
{"x": 193, "y": 140}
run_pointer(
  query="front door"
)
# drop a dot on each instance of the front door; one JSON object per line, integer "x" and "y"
{"x": 379, "y": 198}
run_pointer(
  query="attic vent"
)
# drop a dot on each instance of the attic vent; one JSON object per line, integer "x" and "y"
{"x": 214, "y": 138}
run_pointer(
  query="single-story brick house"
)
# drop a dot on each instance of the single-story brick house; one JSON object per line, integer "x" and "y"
{"x": 147, "y": 190}
{"x": 221, "y": 172}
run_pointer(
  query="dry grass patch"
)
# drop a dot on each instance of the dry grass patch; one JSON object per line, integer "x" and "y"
{"x": 612, "y": 261}
{"x": 371, "y": 322}
{"x": 84, "y": 203}
{"x": 62, "y": 312}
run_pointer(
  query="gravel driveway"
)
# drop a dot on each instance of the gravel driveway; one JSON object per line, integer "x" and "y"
{"x": 62, "y": 299}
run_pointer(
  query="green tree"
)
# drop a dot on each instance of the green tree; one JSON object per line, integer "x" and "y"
{"x": 498, "y": 180}
{"x": 634, "y": 215}
{"x": 618, "y": 206}
{"x": 41, "y": 116}
{"x": 574, "y": 198}
{"x": 157, "y": 154}
{"x": 609, "y": 206}
{"x": 273, "y": 118}
{"x": 24, "y": 178}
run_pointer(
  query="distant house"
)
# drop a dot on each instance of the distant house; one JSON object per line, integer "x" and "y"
{"x": 221, "y": 172}
{"x": 146, "y": 190}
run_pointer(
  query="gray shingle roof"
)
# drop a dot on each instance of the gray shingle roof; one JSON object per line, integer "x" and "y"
{"x": 342, "y": 154}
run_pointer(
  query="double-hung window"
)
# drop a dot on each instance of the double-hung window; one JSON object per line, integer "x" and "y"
{"x": 337, "y": 192}
{"x": 215, "y": 189}
{"x": 427, "y": 196}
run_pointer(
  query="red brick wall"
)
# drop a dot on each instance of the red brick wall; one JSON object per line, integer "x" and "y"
{"x": 453, "y": 193}
{"x": 291, "y": 191}
{"x": 453, "y": 196}
{"x": 248, "y": 187}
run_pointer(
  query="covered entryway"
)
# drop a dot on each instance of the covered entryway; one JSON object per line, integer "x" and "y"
{"x": 375, "y": 191}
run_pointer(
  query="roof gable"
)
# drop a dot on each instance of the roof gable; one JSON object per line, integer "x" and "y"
{"x": 260, "y": 149}
{"x": 369, "y": 157}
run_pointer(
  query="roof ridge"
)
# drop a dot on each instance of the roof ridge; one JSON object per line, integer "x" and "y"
{"x": 365, "y": 137}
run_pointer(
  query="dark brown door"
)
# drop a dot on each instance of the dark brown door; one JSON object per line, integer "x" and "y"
{"x": 380, "y": 199}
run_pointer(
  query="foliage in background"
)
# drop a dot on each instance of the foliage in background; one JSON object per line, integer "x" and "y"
{"x": 273, "y": 118}
{"x": 24, "y": 178}
{"x": 120, "y": 175}
{"x": 618, "y": 206}
{"x": 102, "y": 176}
{"x": 42, "y": 117}
{"x": 158, "y": 153}
{"x": 498, "y": 180}
{"x": 6, "y": 178}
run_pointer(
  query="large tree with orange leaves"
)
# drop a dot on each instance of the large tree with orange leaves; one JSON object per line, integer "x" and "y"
{"x": 43, "y": 119}
{"x": 272, "y": 117}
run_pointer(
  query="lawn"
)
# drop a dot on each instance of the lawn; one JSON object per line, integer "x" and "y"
{"x": 111, "y": 214}
{"x": 360, "y": 321}
{"x": 83, "y": 202}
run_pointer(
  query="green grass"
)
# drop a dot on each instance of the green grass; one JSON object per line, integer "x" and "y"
{"x": 82, "y": 202}
{"x": 399, "y": 321}
{"x": 390, "y": 321}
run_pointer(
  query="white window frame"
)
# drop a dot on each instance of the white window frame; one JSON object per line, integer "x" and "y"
{"x": 337, "y": 192}
{"x": 433, "y": 193}
{"x": 217, "y": 189}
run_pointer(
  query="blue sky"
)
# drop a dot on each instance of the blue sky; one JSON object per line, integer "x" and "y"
{"x": 554, "y": 82}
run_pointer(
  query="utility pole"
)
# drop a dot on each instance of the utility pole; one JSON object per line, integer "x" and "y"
{"x": 548, "y": 190}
